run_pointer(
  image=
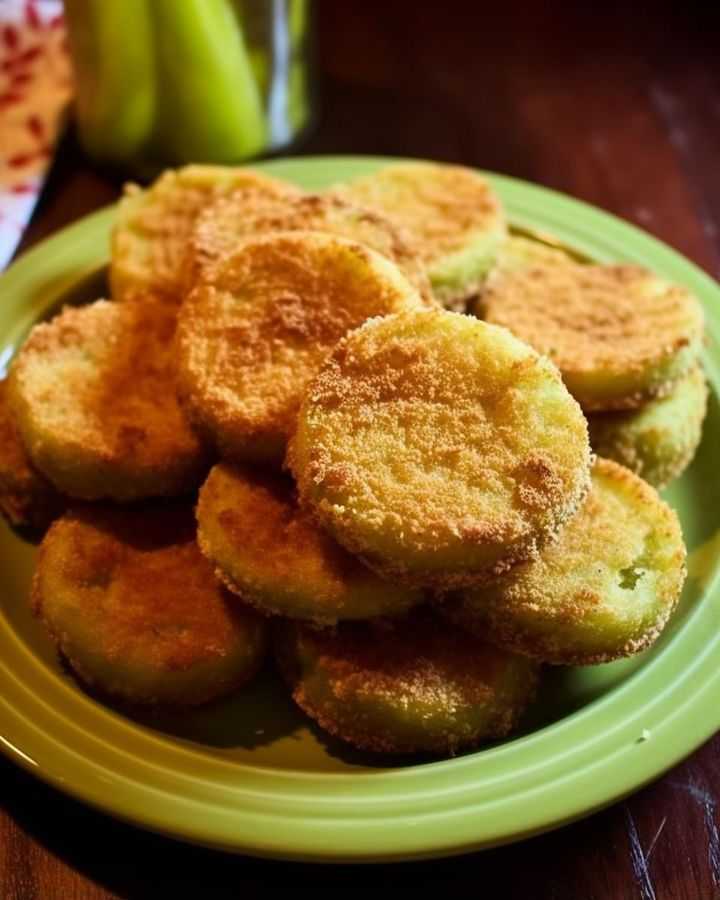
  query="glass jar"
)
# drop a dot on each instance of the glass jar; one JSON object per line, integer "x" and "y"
{"x": 165, "y": 82}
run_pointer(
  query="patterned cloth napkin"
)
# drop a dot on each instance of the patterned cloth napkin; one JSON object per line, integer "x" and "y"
{"x": 35, "y": 86}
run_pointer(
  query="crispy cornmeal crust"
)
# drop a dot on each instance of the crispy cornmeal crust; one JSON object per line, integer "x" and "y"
{"x": 659, "y": 440}
{"x": 618, "y": 334}
{"x": 230, "y": 219}
{"x": 605, "y": 589}
{"x": 451, "y": 213}
{"x": 274, "y": 556}
{"x": 439, "y": 448}
{"x": 153, "y": 226}
{"x": 416, "y": 685}
{"x": 516, "y": 254}
{"x": 519, "y": 252}
{"x": 251, "y": 337}
{"x": 27, "y": 499}
{"x": 134, "y": 607}
{"x": 92, "y": 393}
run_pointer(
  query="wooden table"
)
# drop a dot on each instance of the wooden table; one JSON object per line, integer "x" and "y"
{"x": 622, "y": 110}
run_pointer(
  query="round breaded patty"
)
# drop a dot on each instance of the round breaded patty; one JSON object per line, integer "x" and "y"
{"x": 153, "y": 226}
{"x": 251, "y": 337}
{"x": 136, "y": 610}
{"x": 229, "y": 220}
{"x": 275, "y": 557}
{"x": 605, "y": 589}
{"x": 27, "y": 499}
{"x": 452, "y": 215}
{"x": 93, "y": 396}
{"x": 619, "y": 334}
{"x": 518, "y": 253}
{"x": 659, "y": 440}
{"x": 416, "y": 685}
{"x": 439, "y": 448}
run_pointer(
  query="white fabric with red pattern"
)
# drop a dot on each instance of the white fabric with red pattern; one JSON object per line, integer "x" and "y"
{"x": 35, "y": 87}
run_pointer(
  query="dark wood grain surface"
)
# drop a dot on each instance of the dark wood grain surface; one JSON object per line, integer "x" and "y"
{"x": 619, "y": 108}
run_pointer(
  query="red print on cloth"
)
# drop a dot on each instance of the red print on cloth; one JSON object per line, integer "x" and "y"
{"x": 35, "y": 86}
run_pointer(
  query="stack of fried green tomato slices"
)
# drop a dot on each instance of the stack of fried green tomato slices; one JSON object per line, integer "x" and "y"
{"x": 281, "y": 418}
{"x": 626, "y": 342}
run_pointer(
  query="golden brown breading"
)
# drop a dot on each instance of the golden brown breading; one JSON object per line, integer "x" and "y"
{"x": 452, "y": 215}
{"x": 439, "y": 448}
{"x": 618, "y": 334}
{"x": 150, "y": 237}
{"x": 605, "y": 589}
{"x": 414, "y": 685}
{"x": 27, "y": 499}
{"x": 134, "y": 607}
{"x": 93, "y": 396}
{"x": 230, "y": 220}
{"x": 275, "y": 557}
{"x": 659, "y": 440}
{"x": 251, "y": 337}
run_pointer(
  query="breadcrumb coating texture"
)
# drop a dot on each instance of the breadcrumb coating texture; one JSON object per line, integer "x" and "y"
{"x": 27, "y": 499}
{"x": 92, "y": 392}
{"x": 153, "y": 226}
{"x": 439, "y": 448}
{"x": 411, "y": 686}
{"x": 605, "y": 589}
{"x": 659, "y": 440}
{"x": 135, "y": 608}
{"x": 231, "y": 219}
{"x": 275, "y": 557}
{"x": 618, "y": 334}
{"x": 251, "y": 338}
{"x": 452, "y": 214}
{"x": 517, "y": 253}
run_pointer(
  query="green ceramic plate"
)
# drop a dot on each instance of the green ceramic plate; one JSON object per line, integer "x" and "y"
{"x": 252, "y": 775}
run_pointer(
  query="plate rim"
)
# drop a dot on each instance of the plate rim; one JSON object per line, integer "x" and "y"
{"x": 378, "y": 815}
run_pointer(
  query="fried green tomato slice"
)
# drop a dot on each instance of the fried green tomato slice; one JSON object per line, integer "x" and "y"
{"x": 659, "y": 440}
{"x": 275, "y": 557}
{"x": 440, "y": 449}
{"x": 411, "y": 686}
{"x": 230, "y": 219}
{"x": 618, "y": 333}
{"x": 27, "y": 499}
{"x": 92, "y": 393}
{"x": 451, "y": 214}
{"x": 135, "y": 609}
{"x": 519, "y": 252}
{"x": 252, "y": 336}
{"x": 605, "y": 589}
{"x": 153, "y": 226}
